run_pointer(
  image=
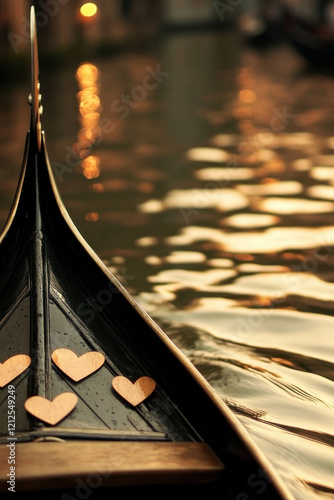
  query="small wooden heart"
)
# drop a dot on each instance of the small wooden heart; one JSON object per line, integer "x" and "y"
{"x": 13, "y": 367}
{"x": 134, "y": 393}
{"x": 54, "y": 411}
{"x": 77, "y": 367}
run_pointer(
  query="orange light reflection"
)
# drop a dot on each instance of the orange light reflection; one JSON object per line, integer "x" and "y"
{"x": 92, "y": 217}
{"x": 247, "y": 96}
{"x": 90, "y": 167}
{"x": 89, "y": 109}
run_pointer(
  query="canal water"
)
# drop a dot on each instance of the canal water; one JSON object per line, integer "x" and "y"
{"x": 209, "y": 192}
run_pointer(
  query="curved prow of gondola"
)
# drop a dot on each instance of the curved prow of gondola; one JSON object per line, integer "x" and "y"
{"x": 95, "y": 385}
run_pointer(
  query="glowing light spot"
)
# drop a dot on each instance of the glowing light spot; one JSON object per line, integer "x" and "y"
{"x": 274, "y": 188}
{"x": 153, "y": 260}
{"x": 146, "y": 241}
{"x": 223, "y": 140}
{"x": 197, "y": 199}
{"x": 295, "y": 206}
{"x": 92, "y": 217}
{"x": 250, "y": 267}
{"x": 151, "y": 206}
{"x": 118, "y": 259}
{"x": 207, "y": 154}
{"x": 224, "y": 174}
{"x": 88, "y": 9}
{"x": 87, "y": 73}
{"x": 247, "y": 96}
{"x": 145, "y": 187}
{"x": 220, "y": 263}
{"x": 97, "y": 188}
{"x": 251, "y": 220}
{"x": 324, "y": 192}
{"x": 302, "y": 164}
{"x": 323, "y": 173}
{"x": 90, "y": 166}
{"x": 182, "y": 257}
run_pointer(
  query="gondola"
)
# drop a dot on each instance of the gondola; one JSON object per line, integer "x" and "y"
{"x": 95, "y": 399}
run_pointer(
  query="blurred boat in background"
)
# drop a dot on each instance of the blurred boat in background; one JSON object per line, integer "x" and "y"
{"x": 307, "y": 24}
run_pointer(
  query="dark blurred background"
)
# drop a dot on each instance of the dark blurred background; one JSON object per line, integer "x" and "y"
{"x": 71, "y": 27}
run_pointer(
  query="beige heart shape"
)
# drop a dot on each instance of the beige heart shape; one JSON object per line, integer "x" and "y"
{"x": 13, "y": 367}
{"x": 54, "y": 411}
{"x": 77, "y": 367}
{"x": 134, "y": 393}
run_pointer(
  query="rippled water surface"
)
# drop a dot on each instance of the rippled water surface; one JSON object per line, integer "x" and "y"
{"x": 210, "y": 193}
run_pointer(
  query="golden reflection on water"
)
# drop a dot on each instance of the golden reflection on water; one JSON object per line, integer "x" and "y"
{"x": 91, "y": 167}
{"x": 282, "y": 283}
{"x": 207, "y": 154}
{"x": 220, "y": 174}
{"x": 294, "y": 205}
{"x": 267, "y": 188}
{"x": 247, "y": 221}
{"x": 180, "y": 257}
{"x": 224, "y": 140}
{"x": 92, "y": 217}
{"x": 273, "y": 239}
{"x": 97, "y": 187}
{"x": 222, "y": 199}
{"x": 247, "y": 96}
{"x": 225, "y": 249}
{"x": 169, "y": 282}
{"x": 323, "y": 173}
{"x": 89, "y": 109}
{"x": 253, "y": 205}
{"x": 302, "y": 164}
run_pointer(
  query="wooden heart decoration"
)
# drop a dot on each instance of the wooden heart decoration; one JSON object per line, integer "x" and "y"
{"x": 13, "y": 367}
{"x": 134, "y": 393}
{"x": 77, "y": 367}
{"x": 54, "y": 411}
